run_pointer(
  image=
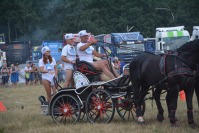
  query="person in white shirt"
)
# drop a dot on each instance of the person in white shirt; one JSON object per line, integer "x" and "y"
{"x": 86, "y": 51}
{"x": 47, "y": 66}
{"x": 28, "y": 70}
{"x": 68, "y": 56}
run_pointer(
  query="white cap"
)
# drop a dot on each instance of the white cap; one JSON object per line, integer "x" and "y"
{"x": 83, "y": 33}
{"x": 68, "y": 36}
{"x": 44, "y": 49}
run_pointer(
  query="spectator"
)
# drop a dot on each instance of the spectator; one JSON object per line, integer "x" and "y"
{"x": 17, "y": 72}
{"x": 35, "y": 73}
{"x": 13, "y": 72}
{"x": 116, "y": 64}
{"x": 28, "y": 70}
{"x": 32, "y": 76}
{"x": 5, "y": 74}
{"x": 59, "y": 68}
{"x": 122, "y": 64}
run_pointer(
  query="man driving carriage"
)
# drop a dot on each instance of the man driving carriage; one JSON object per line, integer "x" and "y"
{"x": 86, "y": 51}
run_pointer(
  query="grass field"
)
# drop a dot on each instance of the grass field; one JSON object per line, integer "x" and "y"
{"x": 23, "y": 116}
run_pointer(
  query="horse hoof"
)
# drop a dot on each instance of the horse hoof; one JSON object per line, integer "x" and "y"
{"x": 160, "y": 118}
{"x": 193, "y": 125}
{"x": 173, "y": 125}
{"x": 140, "y": 120}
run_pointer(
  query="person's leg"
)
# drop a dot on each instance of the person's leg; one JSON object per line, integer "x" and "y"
{"x": 27, "y": 80}
{"x": 104, "y": 67}
{"x": 47, "y": 87}
{"x": 54, "y": 89}
{"x": 3, "y": 80}
{"x": 31, "y": 78}
{"x": 69, "y": 74}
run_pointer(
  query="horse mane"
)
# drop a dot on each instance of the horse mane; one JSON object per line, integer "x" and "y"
{"x": 192, "y": 46}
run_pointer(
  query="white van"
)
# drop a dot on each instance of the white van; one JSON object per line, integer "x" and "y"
{"x": 170, "y": 38}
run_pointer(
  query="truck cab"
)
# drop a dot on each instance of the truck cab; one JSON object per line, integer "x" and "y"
{"x": 125, "y": 46}
{"x": 167, "y": 38}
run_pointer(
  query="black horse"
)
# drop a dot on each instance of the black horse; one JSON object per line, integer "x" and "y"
{"x": 172, "y": 71}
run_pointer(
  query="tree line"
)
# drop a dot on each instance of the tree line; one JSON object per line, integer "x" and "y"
{"x": 38, "y": 20}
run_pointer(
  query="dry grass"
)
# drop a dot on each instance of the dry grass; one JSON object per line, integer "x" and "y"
{"x": 23, "y": 116}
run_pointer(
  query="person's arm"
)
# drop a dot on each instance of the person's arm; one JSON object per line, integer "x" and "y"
{"x": 26, "y": 69}
{"x": 91, "y": 42}
{"x": 41, "y": 67}
{"x": 11, "y": 70}
{"x": 65, "y": 59}
{"x": 95, "y": 53}
{"x": 64, "y": 55}
{"x": 56, "y": 70}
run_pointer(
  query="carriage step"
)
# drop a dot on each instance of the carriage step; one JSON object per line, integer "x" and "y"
{"x": 44, "y": 109}
{"x": 117, "y": 95}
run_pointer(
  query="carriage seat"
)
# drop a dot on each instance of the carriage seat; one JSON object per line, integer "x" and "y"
{"x": 87, "y": 68}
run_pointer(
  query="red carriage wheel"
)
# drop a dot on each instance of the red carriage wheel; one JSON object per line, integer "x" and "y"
{"x": 100, "y": 106}
{"x": 65, "y": 109}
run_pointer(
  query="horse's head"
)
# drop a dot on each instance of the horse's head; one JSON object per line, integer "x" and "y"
{"x": 190, "y": 51}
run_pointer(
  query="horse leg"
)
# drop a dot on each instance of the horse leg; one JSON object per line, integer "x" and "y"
{"x": 172, "y": 98}
{"x": 142, "y": 94}
{"x": 197, "y": 89}
{"x": 189, "y": 95}
{"x": 160, "y": 115}
{"x": 136, "y": 100}
{"x": 167, "y": 102}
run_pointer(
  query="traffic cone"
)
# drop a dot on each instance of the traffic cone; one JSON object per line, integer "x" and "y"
{"x": 182, "y": 95}
{"x": 2, "y": 107}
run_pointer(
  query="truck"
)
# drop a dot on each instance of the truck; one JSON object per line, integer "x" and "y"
{"x": 2, "y": 49}
{"x": 125, "y": 46}
{"x": 55, "y": 47}
{"x": 167, "y": 38}
{"x": 36, "y": 53}
{"x": 18, "y": 52}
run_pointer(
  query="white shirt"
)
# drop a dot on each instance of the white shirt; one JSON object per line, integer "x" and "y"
{"x": 86, "y": 55}
{"x": 48, "y": 66}
{"x": 70, "y": 53}
{"x": 26, "y": 68}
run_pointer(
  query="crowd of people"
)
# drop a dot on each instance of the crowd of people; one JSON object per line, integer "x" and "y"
{"x": 48, "y": 69}
{"x": 9, "y": 73}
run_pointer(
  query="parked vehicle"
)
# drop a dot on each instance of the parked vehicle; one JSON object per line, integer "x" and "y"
{"x": 167, "y": 38}
{"x": 36, "y": 53}
{"x": 125, "y": 46}
{"x": 18, "y": 52}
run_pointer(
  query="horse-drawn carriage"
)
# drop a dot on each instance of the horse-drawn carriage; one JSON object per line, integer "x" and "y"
{"x": 92, "y": 100}
{"x": 97, "y": 100}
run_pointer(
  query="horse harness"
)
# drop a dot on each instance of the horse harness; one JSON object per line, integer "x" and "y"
{"x": 182, "y": 70}
{"x": 179, "y": 70}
